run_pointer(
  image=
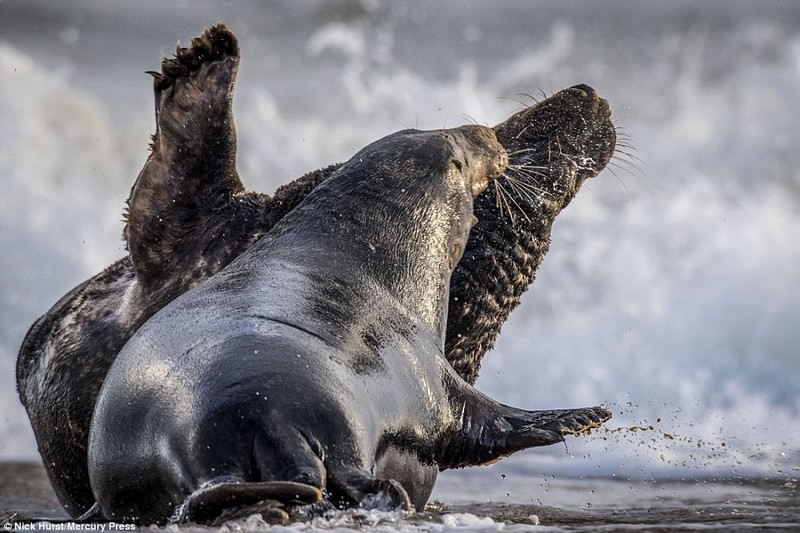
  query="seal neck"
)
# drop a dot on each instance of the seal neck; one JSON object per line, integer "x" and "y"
{"x": 395, "y": 216}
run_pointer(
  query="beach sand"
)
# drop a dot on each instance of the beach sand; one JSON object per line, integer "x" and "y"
{"x": 476, "y": 500}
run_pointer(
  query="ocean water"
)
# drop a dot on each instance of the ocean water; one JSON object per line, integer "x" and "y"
{"x": 672, "y": 288}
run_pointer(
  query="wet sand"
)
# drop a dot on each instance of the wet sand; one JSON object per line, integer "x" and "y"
{"x": 25, "y": 489}
{"x": 656, "y": 505}
{"x": 474, "y": 501}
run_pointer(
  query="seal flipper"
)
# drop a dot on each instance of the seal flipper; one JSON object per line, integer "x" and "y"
{"x": 229, "y": 500}
{"x": 191, "y": 171}
{"x": 365, "y": 489}
{"x": 490, "y": 430}
{"x": 541, "y": 428}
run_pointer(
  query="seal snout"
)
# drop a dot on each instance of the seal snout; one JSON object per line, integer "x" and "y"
{"x": 494, "y": 162}
{"x": 586, "y": 92}
{"x": 487, "y": 159}
{"x": 586, "y": 89}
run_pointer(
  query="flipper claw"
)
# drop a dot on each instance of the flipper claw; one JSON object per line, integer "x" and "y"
{"x": 561, "y": 423}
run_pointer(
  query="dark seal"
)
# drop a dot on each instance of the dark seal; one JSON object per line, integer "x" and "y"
{"x": 315, "y": 358}
{"x": 189, "y": 216}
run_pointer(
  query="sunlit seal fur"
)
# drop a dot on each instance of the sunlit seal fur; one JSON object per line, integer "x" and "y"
{"x": 316, "y": 356}
{"x": 554, "y": 146}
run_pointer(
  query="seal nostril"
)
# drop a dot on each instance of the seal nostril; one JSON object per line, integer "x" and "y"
{"x": 585, "y": 88}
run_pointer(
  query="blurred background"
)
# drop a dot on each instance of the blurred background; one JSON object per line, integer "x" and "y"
{"x": 671, "y": 291}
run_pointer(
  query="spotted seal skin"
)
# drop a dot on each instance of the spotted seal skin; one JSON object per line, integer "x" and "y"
{"x": 316, "y": 357}
{"x": 67, "y": 352}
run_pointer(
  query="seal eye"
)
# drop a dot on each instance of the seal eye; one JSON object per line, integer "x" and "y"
{"x": 457, "y": 164}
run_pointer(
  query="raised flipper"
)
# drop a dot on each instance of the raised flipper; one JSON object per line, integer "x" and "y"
{"x": 191, "y": 170}
{"x": 364, "y": 489}
{"x": 217, "y": 503}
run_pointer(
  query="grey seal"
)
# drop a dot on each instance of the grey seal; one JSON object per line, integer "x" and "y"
{"x": 315, "y": 359}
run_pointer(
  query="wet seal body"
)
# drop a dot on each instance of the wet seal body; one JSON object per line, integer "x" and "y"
{"x": 189, "y": 216}
{"x": 315, "y": 358}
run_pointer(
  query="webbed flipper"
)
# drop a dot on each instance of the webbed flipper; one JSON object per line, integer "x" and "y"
{"x": 488, "y": 430}
{"x": 541, "y": 428}
{"x": 191, "y": 169}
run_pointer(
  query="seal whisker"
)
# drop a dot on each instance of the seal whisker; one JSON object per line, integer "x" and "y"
{"x": 523, "y": 151}
{"x": 520, "y": 189}
{"x": 498, "y": 198}
{"x": 622, "y": 134}
{"x": 514, "y": 201}
{"x": 533, "y": 98}
{"x": 532, "y": 169}
{"x": 627, "y": 145}
{"x": 560, "y": 150}
{"x": 529, "y": 176}
{"x": 502, "y": 196}
{"x": 530, "y": 188}
{"x": 629, "y": 164}
{"x": 622, "y": 183}
{"x": 398, "y": 119}
{"x": 625, "y": 158}
{"x": 633, "y": 157}
{"x": 521, "y": 132}
{"x": 532, "y": 193}
{"x": 469, "y": 119}
{"x": 510, "y": 99}
{"x": 638, "y": 174}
